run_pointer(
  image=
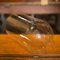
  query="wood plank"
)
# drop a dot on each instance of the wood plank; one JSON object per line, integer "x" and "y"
{"x": 12, "y": 46}
{"x": 29, "y": 44}
{"x": 30, "y": 9}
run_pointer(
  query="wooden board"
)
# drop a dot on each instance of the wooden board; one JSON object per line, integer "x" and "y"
{"x": 29, "y": 9}
{"x": 30, "y": 46}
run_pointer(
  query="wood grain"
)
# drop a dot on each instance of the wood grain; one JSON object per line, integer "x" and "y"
{"x": 19, "y": 0}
